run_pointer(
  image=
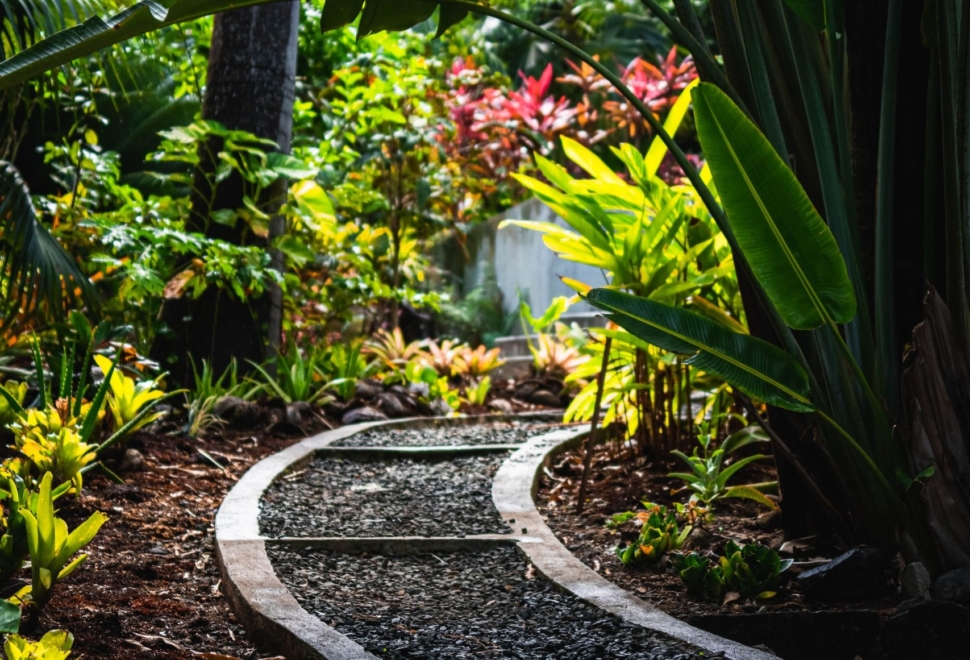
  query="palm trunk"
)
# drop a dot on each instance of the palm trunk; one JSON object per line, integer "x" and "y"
{"x": 250, "y": 87}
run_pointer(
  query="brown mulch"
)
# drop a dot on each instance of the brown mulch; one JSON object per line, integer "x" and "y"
{"x": 619, "y": 483}
{"x": 150, "y": 588}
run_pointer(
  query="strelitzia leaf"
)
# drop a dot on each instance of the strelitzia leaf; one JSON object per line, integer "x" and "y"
{"x": 392, "y": 15}
{"x": 789, "y": 247}
{"x": 756, "y": 367}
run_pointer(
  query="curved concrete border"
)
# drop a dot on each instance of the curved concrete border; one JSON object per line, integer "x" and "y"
{"x": 513, "y": 492}
{"x": 264, "y": 606}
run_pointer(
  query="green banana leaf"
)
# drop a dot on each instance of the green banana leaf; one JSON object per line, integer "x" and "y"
{"x": 754, "y": 366}
{"x": 789, "y": 247}
{"x": 146, "y": 16}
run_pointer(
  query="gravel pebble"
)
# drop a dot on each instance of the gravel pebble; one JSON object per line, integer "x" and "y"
{"x": 483, "y": 434}
{"x": 386, "y": 497}
{"x": 460, "y": 605}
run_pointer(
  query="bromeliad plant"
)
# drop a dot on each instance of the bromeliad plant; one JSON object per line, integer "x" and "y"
{"x": 51, "y": 546}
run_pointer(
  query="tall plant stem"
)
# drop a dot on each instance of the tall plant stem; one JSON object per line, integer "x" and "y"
{"x": 591, "y": 443}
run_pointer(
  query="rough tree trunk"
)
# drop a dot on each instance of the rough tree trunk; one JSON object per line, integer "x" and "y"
{"x": 250, "y": 86}
{"x": 936, "y": 389}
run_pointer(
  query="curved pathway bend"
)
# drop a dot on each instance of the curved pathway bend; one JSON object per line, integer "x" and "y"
{"x": 276, "y": 620}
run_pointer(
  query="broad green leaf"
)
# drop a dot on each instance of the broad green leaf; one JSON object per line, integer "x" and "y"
{"x": 449, "y": 16}
{"x": 589, "y": 162}
{"x": 393, "y": 15}
{"x": 338, "y": 13}
{"x": 749, "y": 493}
{"x": 810, "y": 11}
{"x": 9, "y": 617}
{"x": 789, "y": 247}
{"x": 754, "y": 366}
{"x": 290, "y": 167}
{"x": 657, "y": 150}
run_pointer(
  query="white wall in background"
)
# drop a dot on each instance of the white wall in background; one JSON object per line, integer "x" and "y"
{"x": 522, "y": 260}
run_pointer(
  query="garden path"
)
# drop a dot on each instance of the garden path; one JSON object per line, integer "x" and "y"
{"x": 392, "y": 538}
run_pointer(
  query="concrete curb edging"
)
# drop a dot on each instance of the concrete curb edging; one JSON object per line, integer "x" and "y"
{"x": 262, "y": 603}
{"x": 513, "y": 491}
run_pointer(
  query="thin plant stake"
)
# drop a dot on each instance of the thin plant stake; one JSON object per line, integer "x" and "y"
{"x": 591, "y": 443}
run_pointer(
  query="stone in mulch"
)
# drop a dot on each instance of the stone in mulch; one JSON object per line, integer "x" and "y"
{"x": 461, "y": 605}
{"x": 386, "y": 497}
{"x": 438, "y": 436}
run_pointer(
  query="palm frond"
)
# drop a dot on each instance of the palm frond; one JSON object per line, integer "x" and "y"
{"x": 37, "y": 273}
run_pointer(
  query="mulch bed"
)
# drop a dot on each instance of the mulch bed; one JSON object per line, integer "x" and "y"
{"x": 619, "y": 483}
{"x": 150, "y": 587}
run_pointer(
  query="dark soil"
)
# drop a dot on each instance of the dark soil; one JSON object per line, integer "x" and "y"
{"x": 387, "y": 497}
{"x": 150, "y": 588}
{"x": 485, "y": 434}
{"x": 455, "y": 606}
{"x": 620, "y": 483}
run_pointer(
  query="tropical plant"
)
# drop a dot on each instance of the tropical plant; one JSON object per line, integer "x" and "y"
{"x": 390, "y": 349}
{"x": 18, "y": 392}
{"x": 444, "y": 357}
{"x": 344, "y": 366}
{"x": 751, "y": 571}
{"x": 554, "y": 358}
{"x": 51, "y": 546}
{"x": 476, "y": 393}
{"x": 659, "y": 533}
{"x": 478, "y": 362}
{"x": 128, "y": 400}
{"x": 297, "y": 378}
{"x": 54, "y": 645}
{"x": 709, "y": 477}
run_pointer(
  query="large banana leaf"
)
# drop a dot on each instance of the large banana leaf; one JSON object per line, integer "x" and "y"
{"x": 36, "y": 268}
{"x": 789, "y": 247}
{"x": 752, "y": 365}
{"x": 148, "y": 15}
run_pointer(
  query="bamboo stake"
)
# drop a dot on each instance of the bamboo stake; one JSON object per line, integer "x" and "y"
{"x": 591, "y": 442}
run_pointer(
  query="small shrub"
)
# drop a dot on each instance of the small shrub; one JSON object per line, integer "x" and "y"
{"x": 751, "y": 571}
{"x": 659, "y": 533}
{"x": 709, "y": 478}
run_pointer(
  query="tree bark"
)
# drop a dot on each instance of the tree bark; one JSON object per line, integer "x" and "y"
{"x": 250, "y": 86}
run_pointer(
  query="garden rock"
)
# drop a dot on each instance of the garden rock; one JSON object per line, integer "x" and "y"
{"x": 134, "y": 461}
{"x": 857, "y": 574}
{"x": 364, "y": 414}
{"x": 420, "y": 390}
{"x": 394, "y": 405}
{"x": 299, "y": 413}
{"x": 441, "y": 408}
{"x": 915, "y": 580}
{"x": 237, "y": 412}
{"x": 500, "y": 406}
{"x": 368, "y": 389}
{"x": 953, "y": 586}
{"x": 545, "y": 398}
{"x": 526, "y": 388}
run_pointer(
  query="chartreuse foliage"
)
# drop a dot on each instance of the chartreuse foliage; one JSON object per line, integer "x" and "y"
{"x": 51, "y": 546}
{"x": 54, "y": 645}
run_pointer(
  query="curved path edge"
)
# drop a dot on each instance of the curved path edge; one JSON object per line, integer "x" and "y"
{"x": 513, "y": 492}
{"x": 268, "y": 611}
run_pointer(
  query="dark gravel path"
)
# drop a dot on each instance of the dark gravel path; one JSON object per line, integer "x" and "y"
{"x": 483, "y": 434}
{"x": 387, "y": 497}
{"x": 456, "y": 606}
